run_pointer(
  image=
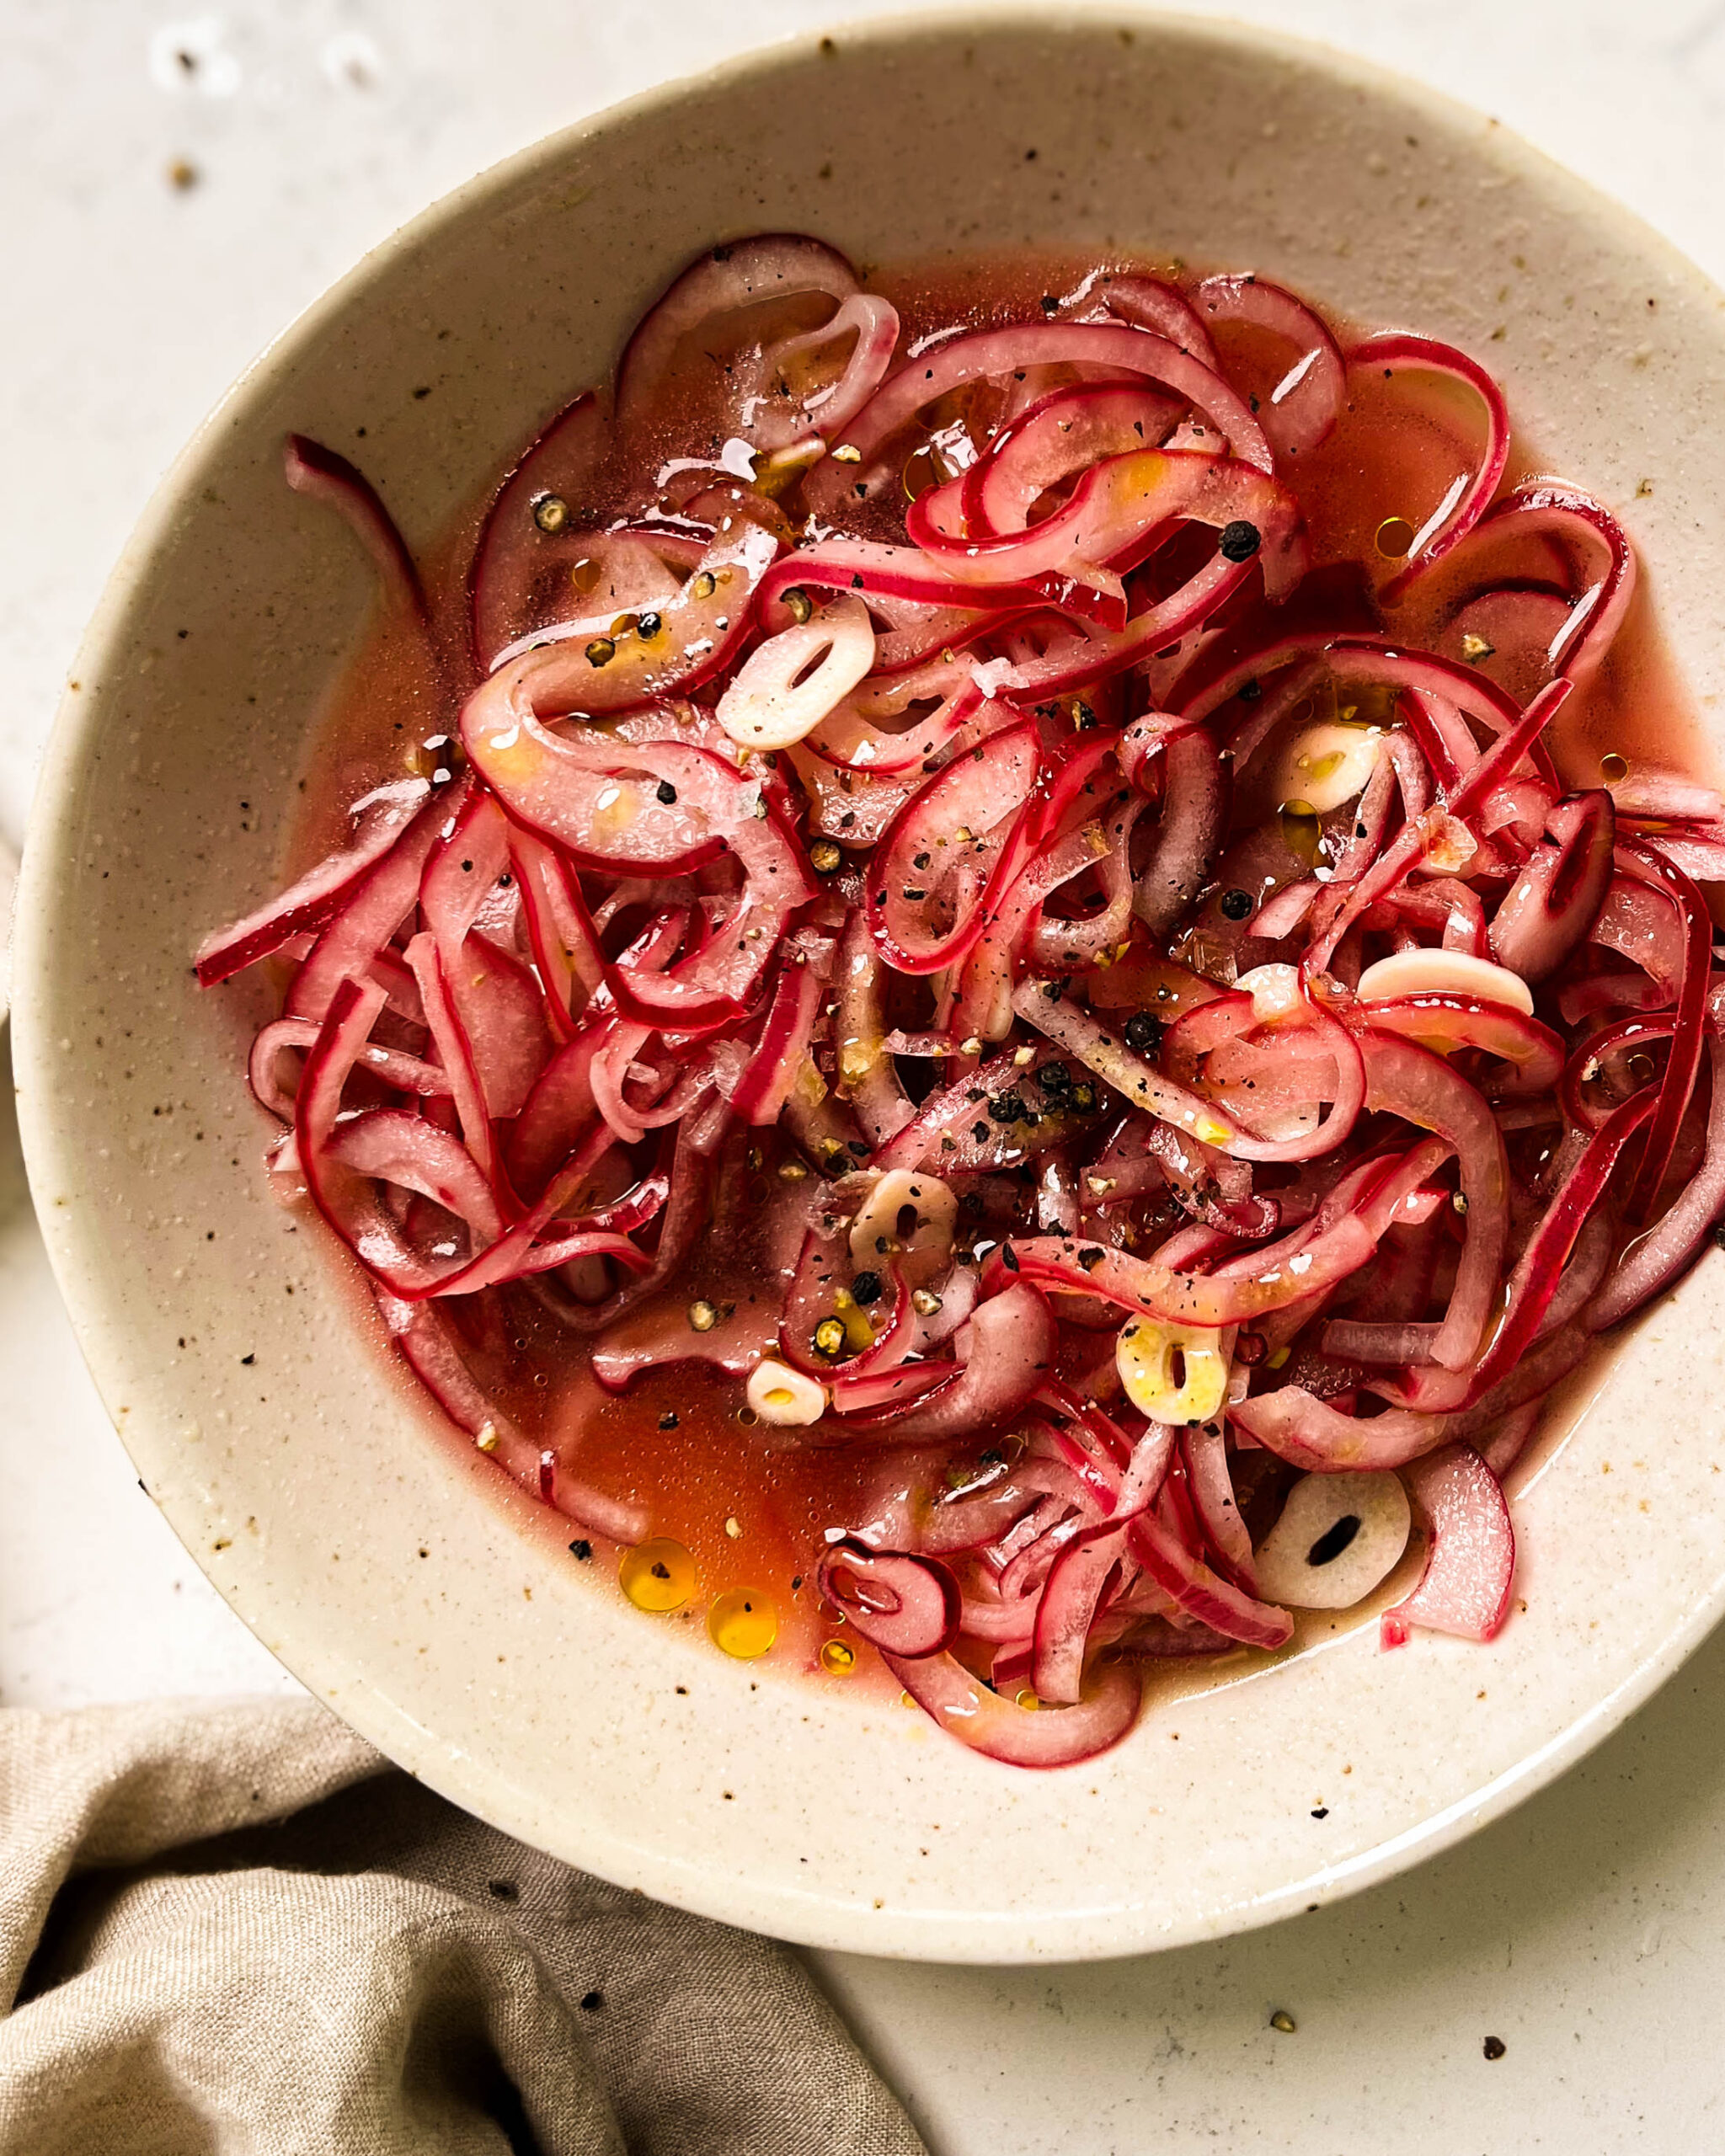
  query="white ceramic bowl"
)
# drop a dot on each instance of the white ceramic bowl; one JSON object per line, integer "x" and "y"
{"x": 380, "y": 1559}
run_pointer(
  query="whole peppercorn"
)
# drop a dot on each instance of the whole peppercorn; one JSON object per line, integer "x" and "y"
{"x": 1144, "y": 1032}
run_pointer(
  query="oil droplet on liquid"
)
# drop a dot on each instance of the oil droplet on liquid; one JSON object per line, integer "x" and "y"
{"x": 1614, "y": 767}
{"x": 1301, "y": 830}
{"x": 658, "y": 1575}
{"x": 1395, "y": 536}
{"x": 924, "y": 468}
{"x": 838, "y": 1658}
{"x": 743, "y": 1623}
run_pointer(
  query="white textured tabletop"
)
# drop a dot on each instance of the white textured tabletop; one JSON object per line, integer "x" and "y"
{"x": 176, "y": 183}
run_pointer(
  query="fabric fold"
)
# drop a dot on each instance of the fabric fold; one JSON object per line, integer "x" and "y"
{"x": 235, "y": 1928}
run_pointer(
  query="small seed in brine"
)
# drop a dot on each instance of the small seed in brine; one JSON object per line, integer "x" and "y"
{"x": 550, "y": 513}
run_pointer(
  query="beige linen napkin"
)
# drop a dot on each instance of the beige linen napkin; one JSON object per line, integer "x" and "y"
{"x": 233, "y": 1930}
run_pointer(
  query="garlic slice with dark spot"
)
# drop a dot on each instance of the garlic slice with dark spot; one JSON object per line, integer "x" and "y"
{"x": 1338, "y": 1536}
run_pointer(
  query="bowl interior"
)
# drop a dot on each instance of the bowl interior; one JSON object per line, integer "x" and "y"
{"x": 433, "y": 1610}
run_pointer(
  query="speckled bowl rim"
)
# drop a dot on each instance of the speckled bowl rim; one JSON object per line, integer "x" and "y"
{"x": 1073, "y": 1934}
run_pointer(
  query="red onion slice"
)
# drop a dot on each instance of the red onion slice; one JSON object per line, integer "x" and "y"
{"x": 1113, "y": 505}
{"x": 1011, "y": 1346}
{"x": 1579, "y": 629}
{"x": 1151, "y": 303}
{"x": 1651, "y": 1263}
{"x": 341, "y": 1162}
{"x": 1405, "y": 1080}
{"x": 1552, "y": 904}
{"x": 309, "y": 903}
{"x": 1194, "y": 1588}
{"x": 1061, "y": 435}
{"x": 1470, "y": 1570}
{"x": 520, "y": 532}
{"x": 1683, "y": 1064}
{"x": 1058, "y": 1736}
{"x": 1302, "y": 407}
{"x": 1465, "y": 502}
{"x": 407, "y": 1073}
{"x": 921, "y": 857}
{"x": 874, "y": 322}
{"x": 781, "y": 1052}
{"x": 603, "y": 663}
{"x": 722, "y": 281}
{"x": 905, "y": 1605}
{"x": 1002, "y": 351}
{"x": 1078, "y": 1580}
{"x": 374, "y": 908}
{"x": 1445, "y": 1023}
{"x": 560, "y": 931}
{"x": 1193, "y": 813}
{"x": 323, "y": 475}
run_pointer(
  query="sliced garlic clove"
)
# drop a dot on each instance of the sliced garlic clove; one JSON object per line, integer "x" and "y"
{"x": 788, "y": 684}
{"x": 1338, "y": 1537}
{"x": 1172, "y": 1373}
{"x": 909, "y": 1219}
{"x": 1326, "y": 764}
{"x": 779, "y": 1394}
{"x": 1274, "y": 990}
{"x": 1444, "y": 973}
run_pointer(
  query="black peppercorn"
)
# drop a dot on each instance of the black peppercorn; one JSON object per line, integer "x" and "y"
{"x": 1240, "y": 540}
{"x": 667, "y": 792}
{"x": 865, "y": 1288}
{"x": 1144, "y": 1032}
{"x": 1235, "y": 905}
